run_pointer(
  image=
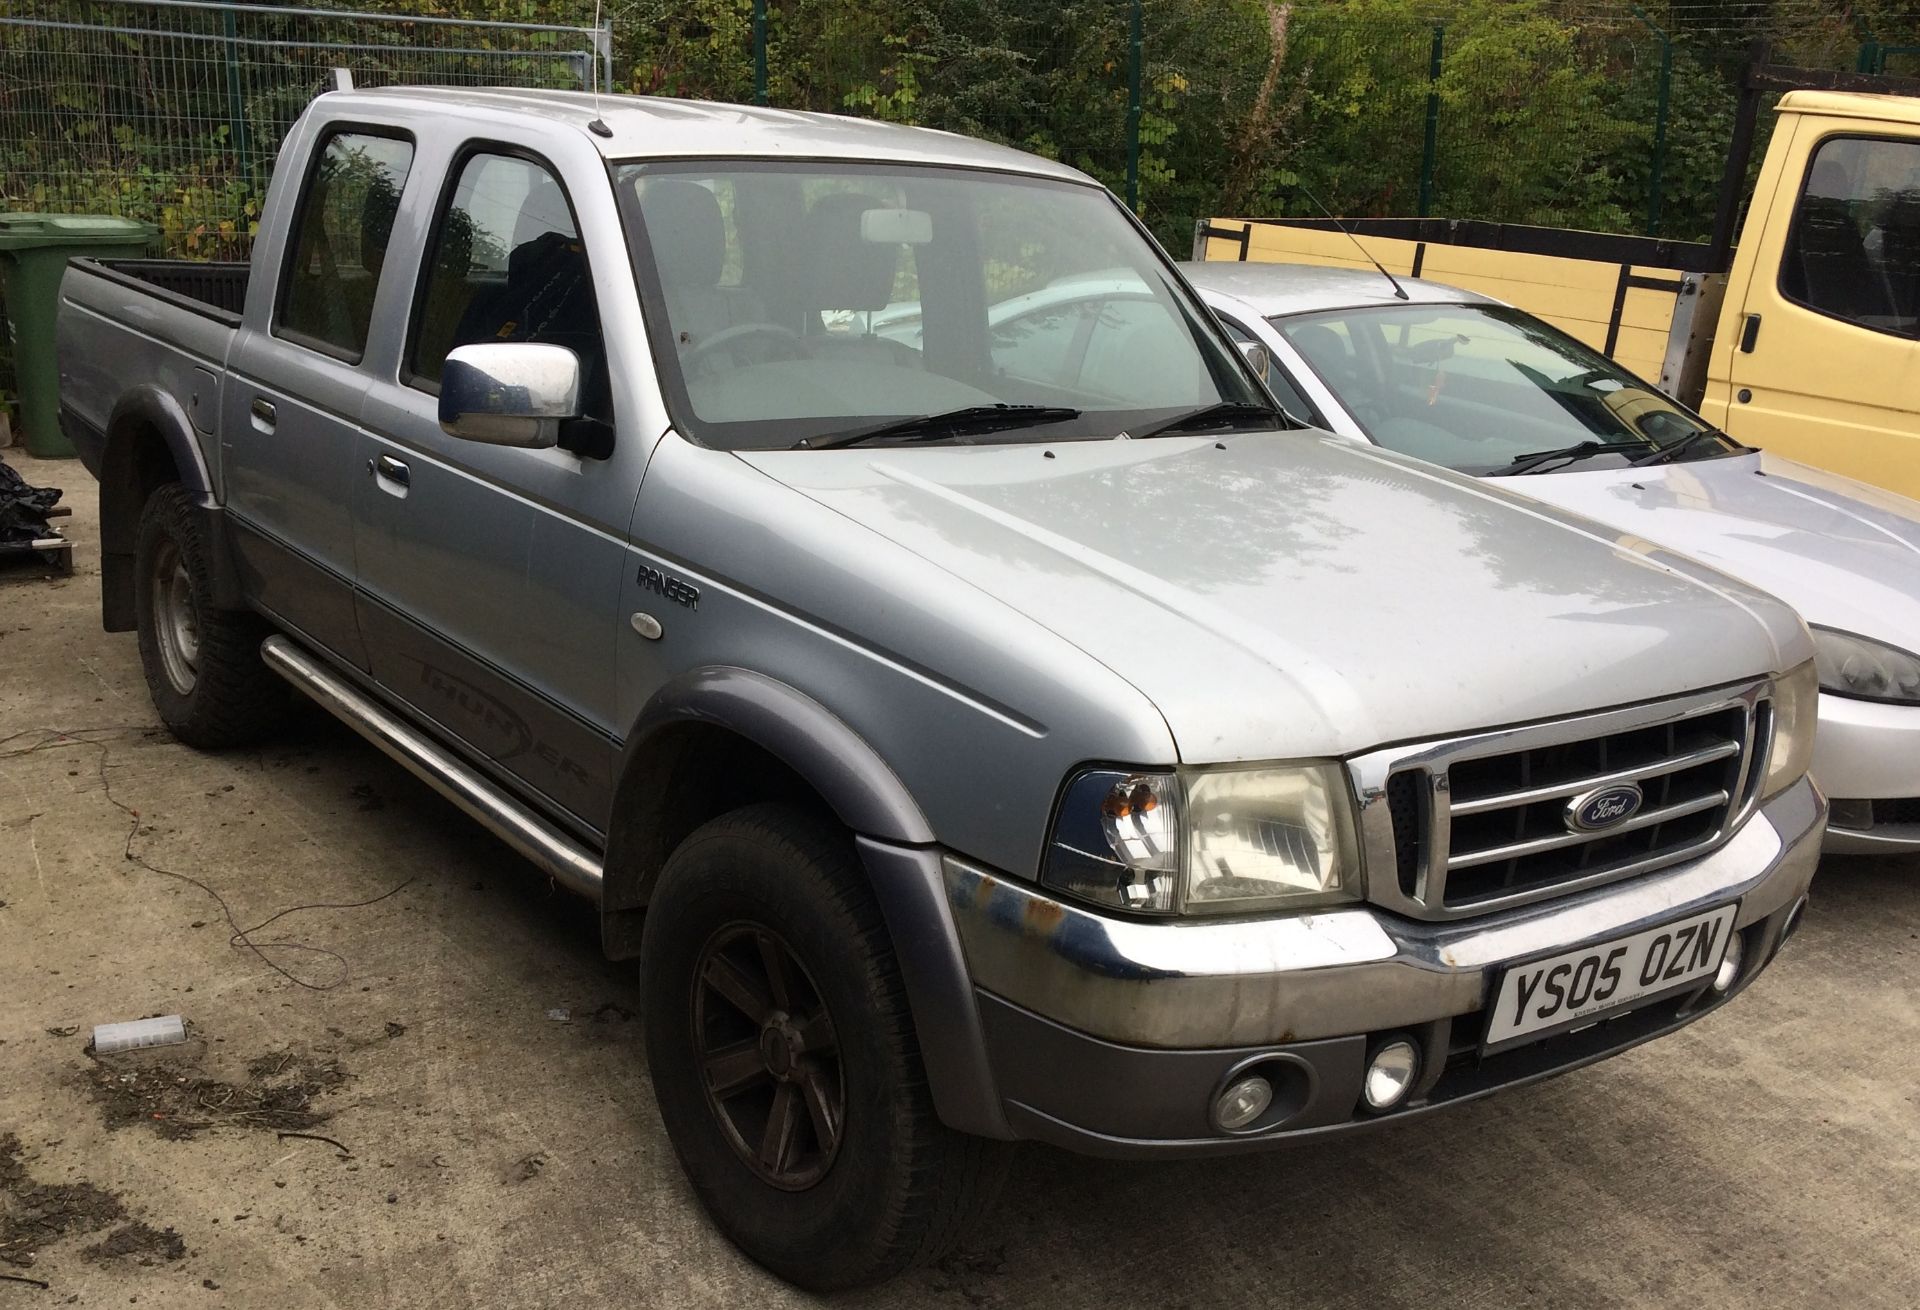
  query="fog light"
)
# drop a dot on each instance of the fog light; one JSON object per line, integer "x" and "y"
{"x": 1730, "y": 964}
{"x": 1390, "y": 1074}
{"x": 1244, "y": 1101}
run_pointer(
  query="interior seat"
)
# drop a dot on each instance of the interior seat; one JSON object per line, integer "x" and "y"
{"x": 1830, "y": 267}
{"x": 689, "y": 237}
{"x": 849, "y": 274}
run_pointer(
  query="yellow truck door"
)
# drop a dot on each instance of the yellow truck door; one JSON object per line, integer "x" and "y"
{"x": 1818, "y": 352}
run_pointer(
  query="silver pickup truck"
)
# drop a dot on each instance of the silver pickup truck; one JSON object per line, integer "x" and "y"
{"x": 1017, "y": 731}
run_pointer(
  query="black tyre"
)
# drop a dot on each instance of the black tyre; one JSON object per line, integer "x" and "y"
{"x": 202, "y": 663}
{"x": 784, "y": 1059}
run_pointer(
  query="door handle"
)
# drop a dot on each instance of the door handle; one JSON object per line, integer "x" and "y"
{"x": 1749, "y": 333}
{"x": 263, "y": 413}
{"x": 392, "y": 470}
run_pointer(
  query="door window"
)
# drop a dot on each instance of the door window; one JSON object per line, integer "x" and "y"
{"x": 506, "y": 263}
{"x": 340, "y": 242}
{"x": 1854, "y": 249}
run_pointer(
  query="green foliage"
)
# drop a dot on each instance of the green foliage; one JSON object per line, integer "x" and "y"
{"x": 1545, "y": 108}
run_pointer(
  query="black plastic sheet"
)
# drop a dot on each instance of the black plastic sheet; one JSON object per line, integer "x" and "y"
{"x": 24, "y": 509}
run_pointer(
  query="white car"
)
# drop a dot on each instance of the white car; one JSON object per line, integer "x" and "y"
{"x": 1460, "y": 380}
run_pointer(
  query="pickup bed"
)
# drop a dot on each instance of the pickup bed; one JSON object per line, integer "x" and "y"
{"x": 853, "y": 557}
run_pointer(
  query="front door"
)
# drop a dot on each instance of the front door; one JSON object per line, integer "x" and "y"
{"x": 1822, "y": 363}
{"x": 490, "y": 576}
{"x": 288, "y": 431}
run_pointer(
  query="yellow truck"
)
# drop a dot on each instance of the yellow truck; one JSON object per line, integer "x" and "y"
{"x": 1805, "y": 339}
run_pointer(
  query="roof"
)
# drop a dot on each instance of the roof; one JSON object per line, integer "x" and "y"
{"x": 1270, "y": 289}
{"x": 1852, "y": 104}
{"x": 653, "y": 127}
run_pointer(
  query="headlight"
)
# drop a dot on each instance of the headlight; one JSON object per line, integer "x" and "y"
{"x": 1206, "y": 841}
{"x": 1869, "y": 670}
{"x": 1796, "y": 699}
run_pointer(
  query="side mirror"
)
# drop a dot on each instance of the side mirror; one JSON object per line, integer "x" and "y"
{"x": 1256, "y": 356}
{"x": 509, "y": 393}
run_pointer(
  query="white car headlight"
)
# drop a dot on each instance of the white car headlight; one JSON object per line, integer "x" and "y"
{"x": 1796, "y": 700}
{"x": 1865, "y": 669}
{"x": 1206, "y": 841}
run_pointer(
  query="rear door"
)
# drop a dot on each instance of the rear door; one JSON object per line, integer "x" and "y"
{"x": 1822, "y": 363}
{"x": 489, "y": 576}
{"x": 298, "y": 375}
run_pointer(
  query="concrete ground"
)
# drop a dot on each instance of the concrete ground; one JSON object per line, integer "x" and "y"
{"x": 491, "y": 1155}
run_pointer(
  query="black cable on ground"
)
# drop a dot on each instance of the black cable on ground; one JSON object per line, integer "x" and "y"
{"x": 54, "y": 739}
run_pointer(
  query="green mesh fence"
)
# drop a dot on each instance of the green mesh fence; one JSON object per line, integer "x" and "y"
{"x": 172, "y": 110}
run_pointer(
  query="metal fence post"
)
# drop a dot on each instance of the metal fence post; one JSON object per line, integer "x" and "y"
{"x": 1659, "y": 121}
{"x": 1136, "y": 55}
{"x": 759, "y": 51}
{"x": 1429, "y": 155}
{"x": 236, "y": 107}
{"x": 1869, "y": 56}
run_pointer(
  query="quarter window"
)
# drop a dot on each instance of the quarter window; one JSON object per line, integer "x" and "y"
{"x": 1854, "y": 250}
{"x": 340, "y": 246}
{"x": 507, "y": 264}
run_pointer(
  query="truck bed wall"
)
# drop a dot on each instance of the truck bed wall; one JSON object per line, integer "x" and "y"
{"x": 113, "y": 327}
{"x": 217, "y": 286}
{"x": 1654, "y": 318}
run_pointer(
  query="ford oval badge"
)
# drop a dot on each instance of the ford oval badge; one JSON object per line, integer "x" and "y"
{"x": 1603, "y": 807}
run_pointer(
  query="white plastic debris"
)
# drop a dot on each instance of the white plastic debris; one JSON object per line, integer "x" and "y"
{"x": 136, "y": 1033}
{"x": 560, "y": 1016}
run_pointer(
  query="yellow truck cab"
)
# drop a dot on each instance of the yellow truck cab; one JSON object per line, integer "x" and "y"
{"x": 1816, "y": 356}
{"x": 1805, "y": 339}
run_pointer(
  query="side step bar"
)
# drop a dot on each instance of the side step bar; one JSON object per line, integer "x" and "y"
{"x": 560, "y": 857}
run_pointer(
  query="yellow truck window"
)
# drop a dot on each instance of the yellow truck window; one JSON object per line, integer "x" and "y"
{"x": 1854, "y": 250}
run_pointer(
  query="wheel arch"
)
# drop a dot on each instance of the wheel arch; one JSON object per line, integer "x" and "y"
{"x": 149, "y": 441}
{"x": 721, "y": 736}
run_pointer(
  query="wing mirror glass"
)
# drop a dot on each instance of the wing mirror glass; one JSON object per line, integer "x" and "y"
{"x": 1256, "y": 356}
{"x": 509, "y": 393}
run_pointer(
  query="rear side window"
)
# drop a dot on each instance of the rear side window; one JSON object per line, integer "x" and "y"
{"x": 340, "y": 242}
{"x": 506, "y": 264}
{"x": 1854, "y": 250}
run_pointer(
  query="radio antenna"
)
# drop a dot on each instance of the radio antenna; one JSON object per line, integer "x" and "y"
{"x": 1346, "y": 232}
{"x": 599, "y": 125}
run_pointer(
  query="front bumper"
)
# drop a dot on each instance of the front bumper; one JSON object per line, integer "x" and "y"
{"x": 1864, "y": 751}
{"x": 1114, "y": 1036}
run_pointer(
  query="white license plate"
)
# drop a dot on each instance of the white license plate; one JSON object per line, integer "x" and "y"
{"x": 1562, "y": 990}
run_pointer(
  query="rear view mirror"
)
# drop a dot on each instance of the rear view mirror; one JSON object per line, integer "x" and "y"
{"x": 509, "y": 393}
{"x": 1256, "y": 356}
{"x": 896, "y": 227}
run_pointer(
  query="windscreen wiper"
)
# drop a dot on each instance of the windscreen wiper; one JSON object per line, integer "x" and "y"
{"x": 972, "y": 418}
{"x": 1220, "y": 414}
{"x": 1662, "y": 454}
{"x": 1529, "y": 462}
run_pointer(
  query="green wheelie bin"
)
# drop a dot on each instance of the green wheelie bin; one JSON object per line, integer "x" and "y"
{"x": 34, "y": 250}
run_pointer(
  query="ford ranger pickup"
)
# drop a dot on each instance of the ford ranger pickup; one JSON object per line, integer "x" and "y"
{"x": 1014, "y": 727}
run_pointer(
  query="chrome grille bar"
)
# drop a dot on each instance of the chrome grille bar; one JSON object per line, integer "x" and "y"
{"x": 1537, "y": 845}
{"x": 1677, "y": 764}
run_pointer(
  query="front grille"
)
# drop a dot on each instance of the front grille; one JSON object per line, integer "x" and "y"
{"x": 1905, "y": 809}
{"x": 1893, "y": 812}
{"x": 1485, "y": 822}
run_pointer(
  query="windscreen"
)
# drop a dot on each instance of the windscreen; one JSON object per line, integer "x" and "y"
{"x": 1479, "y": 387}
{"x": 801, "y": 302}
